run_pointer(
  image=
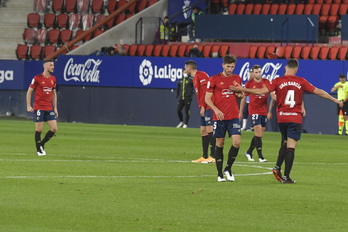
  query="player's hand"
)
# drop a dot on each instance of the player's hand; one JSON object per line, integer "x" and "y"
{"x": 236, "y": 88}
{"x": 269, "y": 115}
{"x": 56, "y": 112}
{"x": 30, "y": 109}
{"x": 202, "y": 111}
{"x": 239, "y": 95}
{"x": 219, "y": 115}
{"x": 340, "y": 104}
{"x": 303, "y": 112}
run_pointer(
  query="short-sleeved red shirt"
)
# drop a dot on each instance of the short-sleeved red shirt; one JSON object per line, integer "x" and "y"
{"x": 289, "y": 91}
{"x": 257, "y": 103}
{"x": 200, "y": 81}
{"x": 223, "y": 98}
{"x": 43, "y": 87}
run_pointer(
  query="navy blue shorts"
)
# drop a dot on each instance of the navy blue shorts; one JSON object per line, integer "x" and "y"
{"x": 231, "y": 126}
{"x": 290, "y": 130}
{"x": 257, "y": 119}
{"x": 44, "y": 116}
{"x": 208, "y": 119}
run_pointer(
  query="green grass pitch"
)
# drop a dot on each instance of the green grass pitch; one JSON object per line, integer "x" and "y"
{"x": 134, "y": 178}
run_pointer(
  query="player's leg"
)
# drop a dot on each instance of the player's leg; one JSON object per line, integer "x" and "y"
{"x": 234, "y": 132}
{"x": 259, "y": 129}
{"x": 282, "y": 151}
{"x": 245, "y": 117}
{"x": 345, "y": 116}
{"x": 205, "y": 143}
{"x": 187, "y": 113}
{"x": 53, "y": 129}
{"x": 209, "y": 129}
{"x": 219, "y": 133}
{"x": 179, "y": 111}
{"x": 38, "y": 130}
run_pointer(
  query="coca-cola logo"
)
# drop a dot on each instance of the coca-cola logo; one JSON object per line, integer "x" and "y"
{"x": 269, "y": 71}
{"x": 87, "y": 72}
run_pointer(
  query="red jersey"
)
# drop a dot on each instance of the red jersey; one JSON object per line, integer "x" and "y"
{"x": 223, "y": 98}
{"x": 200, "y": 81}
{"x": 257, "y": 103}
{"x": 43, "y": 87}
{"x": 289, "y": 91}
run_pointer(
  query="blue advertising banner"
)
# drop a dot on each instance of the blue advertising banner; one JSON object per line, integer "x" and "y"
{"x": 94, "y": 71}
{"x": 11, "y": 74}
{"x": 33, "y": 68}
{"x": 181, "y": 10}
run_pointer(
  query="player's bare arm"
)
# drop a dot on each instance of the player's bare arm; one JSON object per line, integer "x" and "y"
{"x": 218, "y": 113}
{"x": 241, "y": 107}
{"x": 303, "y": 109}
{"x": 54, "y": 101}
{"x": 324, "y": 94}
{"x": 239, "y": 88}
{"x": 239, "y": 95}
{"x": 271, "y": 105}
{"x": 335, "y": 88}
{"x": 202, "y": 111}
{"x": 29, "y": 93}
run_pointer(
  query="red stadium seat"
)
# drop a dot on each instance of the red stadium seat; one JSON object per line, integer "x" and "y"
{"x": 249, "y": 9}
{"x": 126, "y": 47}
{"x": 58, "y": 6}
{"x": 110, "y": 23}
{"x": 36, "y": 52}
{"x": 149, "y": 49}
{"x": 87, "y": 21}
{"x": 270, "y": 52}
{"x": 333, "y": 18}
{"x": 129, "y": 16}
{"x": 33, "y": 20}
{"x": 182, "y": 50}
{"x": 75, "y": 22}
{"x": 65, "y": 36}
{"x": 120, "y": 18}
{"x": 80, "y": 32}
{"x": 215, "y": 49}
{"x": 240, "y": 9}
{"x": 314, "y": 54}
{"x": 71, "y": 6}
{"x": 343, "y": 9}
{"x": 311, "y": 1}
{"x": 188, "y": 48}
{"x": 232, "y": 9}
{"x": 296, "y": 52}
{"x": 40, "y": 6}
{"x": 265, "y": 9}
{"x": 323, "y": 53}
{"x": 131, "y": 8}
{"x": 132, "y": 50}
{"x": 299, "y": 9}
{"x": 288, "y": 52}
{"x": 324, "y": 16}
{"x": 22, "y": 52}
{"x": 173, "y": 50}
{"x": 274, "y": 9}
{"x": 50, "y": 20}
{"x": 333, "y": 53}
{"x": 291, "y": 9}
{"x": 308, "y": 9}
{"x": 224, "y": 50}
{"x": 283, "y": 8}
{"x": 261, "y": 50}
{"x": 257, "y": 9}
{"x": 100, "y": 18}
{"x": 41, "y": 36}
{"x": 53, "y": 36}
{"x": 83, "y": 6}
{"x": 319, "y": 1}
{"x": 252, "y": 52}
{"x": 98, "y": 6}
{"x": 316, "y": 9}
{"x": 97, "y": 32}
{"x": 280, "y": 52}
{"x": 141, "y": 5}
{"x": 157, "y": 50}
{"x": 29, "y": 35}
{"x": 305, "y": 52}
{"x": 342, "y": 53}
{"x": 48, "y": 50}
{"x": 121, "y": 3}
{"x": 206, "y": 50}
{"x": 63, "y": 21}
{"x": 165, "y": 50}
{"x": 112, "y": 4}
{"x": 141, "y": 49}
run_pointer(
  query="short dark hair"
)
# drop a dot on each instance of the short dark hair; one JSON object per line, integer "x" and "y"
{"x": 293, "y": 63}
{"x": 196, "y": 8}
{"x": 49, "y": 60}
{"x": 191, "y": 63}
{"x": 256, "y": 66}
{"x": 342, "y": 76}
{"x": 229, "y": 59}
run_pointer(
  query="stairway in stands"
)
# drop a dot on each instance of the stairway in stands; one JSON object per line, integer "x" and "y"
{"x": 13, "y": 18}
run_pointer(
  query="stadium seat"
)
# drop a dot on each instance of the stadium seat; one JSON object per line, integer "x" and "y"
{"x": 343, "y": 9}
{"x": 71, "y": 6}
{"x": 270, "y": 52}
{"x": 165, "y": 50}
{"x": 257, "y": 9}
{"x": 305, "y": 52}
{"x": 299, "y": 9}
{"x": 310, "y": 1}
{"x": 131, "y": 8}
{"x": 22, "y": 52}
{"x": 274, "y": 9}
{"x": 33, "y": 20}
{"x": 48, "y": 50}
{"x": 333, "y": 18}
{"x": 112, "y": 4}
{"x": 324, "y": 16}
{"x": 224, "y": 50}
{"x": 141, "y": 5}
{"x": 240, "y": 9}
{"x": 265, "y": 9}
{"x": 173, "y": 50}
{"x": 157, "y": 50}
{"x": 316, "y": 9}
{"x": 97, "y": 32}
{"x": 132, "y": 49}
{"x": 206, "y": 50}
{"x": 308, "y": 9}
{"x": 87, "y": 21}
{"x": 149, "y": 49}
{"x": 110, "y": 23}
{"x": 129, "y": 16}
{"x": 252, "y": 52}
{"x": 58, "y": 6}
{"x": 40, "y": 6}
{"x": 249, "y": 9}
{"x": 283, "y": 8}
{"x": 288, "y": 52}
{"x": 333, "y": 53}
{"x": 141, "y": 49}
{"x": 63, "y": 21}
{"x": 323, "y": 53}
{"x": 296, "y": 52}
{"x": 181, "y": 50}
{"x": 232, "y": 9}
{"x": 121, "y": 3}
{"x": 41, "y": 36}
{"x": 126, "y": 47}
{"x": 83, "y": 6}
{"x": 53, "y": 36}
{"x": 29, "y": 35}
{"x": 280, "y": 52}
{"x": 342, "y": 53}
{"x": 319, "y": 1}
{"x": 291, "y": 9}
{"x": 35, "y": 52}
{"x": 80, "y": 32}
{"x": 188, "y": 48}
{"x": 65, "y": 36}
{"x": 120, "y": 18}
{"x": 215, "y": 49}
{"x": 97, "y": 6}
{"x": 314, "y": 54}
{"x": 50, "y": 20}
{"x": 99, "y": 18}
{"x": 75, "y": 22}
{"x": 261, "y": 50}
{"x": 224, "y": 3}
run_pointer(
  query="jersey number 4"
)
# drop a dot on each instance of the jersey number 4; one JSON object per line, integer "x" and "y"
{"x": 290, "y": 98}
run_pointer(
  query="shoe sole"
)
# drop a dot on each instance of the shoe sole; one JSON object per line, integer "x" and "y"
{"x": 276, "y": 175}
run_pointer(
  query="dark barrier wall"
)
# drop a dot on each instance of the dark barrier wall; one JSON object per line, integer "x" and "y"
{"x": 344, "y": 27}
{"x": 252, "y": 27}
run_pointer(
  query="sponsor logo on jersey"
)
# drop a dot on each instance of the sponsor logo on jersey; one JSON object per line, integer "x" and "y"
{"x": 87, "y": 72}
{"x": 148, "y": 71}
{"x": 47, "y": 90}
{"x": 226, "y": 92}
{"x": 269, "y": 71}
{"x": 6, "y": 75}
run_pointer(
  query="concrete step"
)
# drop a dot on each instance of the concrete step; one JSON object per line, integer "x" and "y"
{"x": 20, "y": 4}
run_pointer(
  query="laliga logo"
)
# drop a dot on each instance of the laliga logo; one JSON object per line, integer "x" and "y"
{"x": 6, "y": 75}
{"x": 87, "y": 72}
{"x": 146, "y": 72}
{"x": 269, "y": 71}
